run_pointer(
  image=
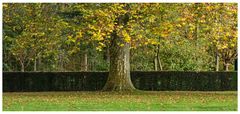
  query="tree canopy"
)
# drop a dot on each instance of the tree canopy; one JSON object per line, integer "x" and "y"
{"x": 160, "y": 36}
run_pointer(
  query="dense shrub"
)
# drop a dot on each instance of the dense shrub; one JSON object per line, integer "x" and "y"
{"x": 92, "y": 81}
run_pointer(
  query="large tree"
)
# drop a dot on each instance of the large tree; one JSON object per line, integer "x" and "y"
{"x": 221, "y": 31}
{"x": 119, "y": 27}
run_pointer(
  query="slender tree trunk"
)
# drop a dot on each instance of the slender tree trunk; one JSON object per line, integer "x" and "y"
{"x": 84, "y": 61}
{"x": 74, "y": 65}
{"x": 60, "y": 61}
{"x": 226, "y": 66}
{"x": 39, "y": 64}
{"x": 158, "y": 58}
{"x": 217, "y": 62}
{"x": 22, "y": 67}
{"x": 35, "y": 64}
{"x": 155, "y": 63}
{"x": 159, "y": 62}
{"x": 119, "y": 73}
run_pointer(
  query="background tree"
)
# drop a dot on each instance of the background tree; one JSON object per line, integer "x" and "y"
{"x": 223, "y": 21}
{"x": 93, "y": 37}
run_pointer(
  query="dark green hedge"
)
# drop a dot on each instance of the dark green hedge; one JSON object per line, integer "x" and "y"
{"x": 92, "y": 81}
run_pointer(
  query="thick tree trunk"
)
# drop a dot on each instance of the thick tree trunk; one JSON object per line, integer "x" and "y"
{"x": 119, "y": 73}
{"x": 108, "y": 56}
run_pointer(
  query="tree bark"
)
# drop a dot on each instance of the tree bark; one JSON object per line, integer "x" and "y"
{"x": 108, "y": 55}
{"x": 84, "y": 61}
{"x": 158, "y": 57}
{"x": 22, "y": 67}
{"x": 155, "y": 63}
{"x": 39, "y": 64}
{"x": 217, "y": 62}
{"x": 226, "y": 66}
{"x": 119, "y": 73}
{"x": 35, "y": 64}
{"x": 159, "y": 62}
{"x": 60, "y": 61}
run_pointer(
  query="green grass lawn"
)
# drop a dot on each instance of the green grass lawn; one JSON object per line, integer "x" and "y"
{"x": 109, "y": 101}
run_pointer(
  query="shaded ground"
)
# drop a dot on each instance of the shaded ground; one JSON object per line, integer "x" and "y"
{"x": 108, "y": 101}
